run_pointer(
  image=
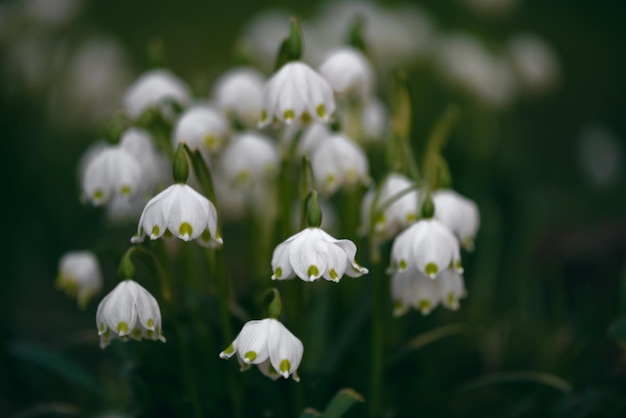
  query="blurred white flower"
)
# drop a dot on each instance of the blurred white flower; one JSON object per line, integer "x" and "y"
{"x": 296, "y": 94}
{"x": 451, "y": 288}
{"x": 51, "y": 13}
{"x": 155, "y": 89}
{"x": 311, "y": 254}
{"x": 250, "y": 157}
{"x": 601, "y": 155}
{"x": 374, "y": 121}
{"x": 238, "y": 92}
{"x": 459, "y": 214}
{"x": 339, "y": 162}
{"x": 268, "y": 344}
{"x": 349, "y": 73}
{"x": 427, "y": 246}
{"x": 79, "y": 275}
{"x": 113, "y": 170}
{"x": 156, "y": 167}
{"x": 181, "y": 211}
{"x": 534, "y": 62}
{"x": 312, "y": 136}
{"x": 201, "y": 127}
{"x": 128, "y": 310}
{"x": 396, "y": 216}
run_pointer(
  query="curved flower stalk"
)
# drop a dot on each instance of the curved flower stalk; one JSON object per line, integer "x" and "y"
{"x": 349, "y": 73}
{"x": 427, "y": 246}
{"x": 397, "y": 215}
{"x": 203, "y": 128}
{"x": 459, "y": 214}
{"x": 239, "y": 93}
{"x": 79, "y": 275}
{"x": 296, "y": 94}
{"x": 128, "y": 311}
{"x": 269, "y": 345}
{"x": 155, "y": 89}
{"x": 311, "y": 254}
{"x": 339, "y": 162}
{"x": 413, "y": 289}
{"x": 183, "y": 212}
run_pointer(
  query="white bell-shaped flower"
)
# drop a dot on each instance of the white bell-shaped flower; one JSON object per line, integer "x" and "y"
{"x": 129, "y": 310}
{"x": 311, "y": 254}
{"x": 412, "y": 289}
{"x": 374, "y": 121}
{"x": 399, "y": 198}
{"x": 451, "y": 288}
{"x": 428, "y": 246}
{"x": 239, "y": 93}
{"x": 113, "y": 170}
{"x": 183, "y": 212}
{"x": 79, "y": 275}
{"x": 296, "y": 94}
{"x": 349, "y": 73}
{"x": 155, "y": 89}
{"x": 339, "y": 162}
{"x": 155, "y": 165}
{"x": 203, "y": 128}
{"x": 250, "y": 157}
{"x": 270, "y": 345}
{"x": 459, "y": 214}
{"x": 312, "y": 136}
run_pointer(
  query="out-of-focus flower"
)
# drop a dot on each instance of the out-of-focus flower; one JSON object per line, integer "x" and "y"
{"x": 459, "y": 214}
{"x": 296, "y": 94}
{"x": 250, "y": 157}
{"x": 349, "y": 73}
{"x": 534, "y": 62}
{"x": 128, "y": 310}
{"x": 52, "y": 14}
{"x": 268, "y": 344}
{"x": 427, "y": 246}
{"x": 396, "y": 216}
{"x": 312, "y": 136}
{"x": 183, "y": 212}
{"x": 413, "y": 289}
{"x": 79, "y": 275}
{"x": 156, "y": 89}
{"x": 238, "y": 93}
{"x": 202, "y": 127}
{"x": 311, "y": 254}
{"x": 155, "y": 165}
{"x": 601, "y": 155}
{"x": 339, "y": 162}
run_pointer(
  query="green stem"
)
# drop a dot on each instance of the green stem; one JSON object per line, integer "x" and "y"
{"x": 379, "y": 322}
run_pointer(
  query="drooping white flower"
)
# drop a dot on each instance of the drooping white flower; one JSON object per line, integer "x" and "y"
{"x": 250, "y": 157}
{"x": 349, "y": 73}
{"x": 203, "y": 128}
{"x": 427, "y": 246}
{"x": 268, "y": 344}
{"x": 111, "y": 170}
{"x": 239, "y": 93}
{"x": 459, "y": 214}
{"x": 183, "y": 212}
{"x": 296, "y": 94}
{"x": 155, "y": 88}
{"x": 311, "y": 254}
{"x": 397, "y": 215}
{"x": 128, "y": 310}
{"x": 79, "y": 275}
{"x": 339, "y": 162}
{"x": 534, "y": 62}
{"x": 412, "y": 289}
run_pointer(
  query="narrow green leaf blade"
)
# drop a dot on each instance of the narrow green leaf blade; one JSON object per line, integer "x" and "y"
{"x": 343, "y": 400}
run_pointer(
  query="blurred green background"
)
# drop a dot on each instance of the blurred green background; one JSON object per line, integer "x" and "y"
{"x": 546, "y": 281}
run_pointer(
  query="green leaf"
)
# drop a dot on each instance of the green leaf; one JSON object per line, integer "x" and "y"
{"x": 518, "y": 377}
{"x": 617, "y": 330}
{"x": 310, "y": 413}
{"x": 56, "y": 363}
{"x": 343, "y": 400}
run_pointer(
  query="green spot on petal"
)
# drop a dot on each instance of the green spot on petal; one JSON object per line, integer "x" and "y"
{"x": 424, "y": 306}
{"x": 102, "y": 327}
{"x": 205, "y": 236}
{"x": 263, "y": 115}
{"x": 122, "y": 328}
{"x": 98, "y": 194}
{"x": 313, "y": 271}
{"x": 250, "y": 356}
{"x": 403, "y": 265}
{"x": 289, "y": 114}
{"x": 411, "y": 217}
{"x": 210, "y": 141}
{"x": 229, "y": 350}
{"x": 137, "y": 333}
{"x": 243, "y": 176}
{"x": 458, "y": 265}
{"x": 278, "y": 273}
{"x": 155, "y": 230}
{"x": 431, "y": 269}
{"x": 321, "y": 110}
{"x": 333, "y": 274}
{"x": 125, "y": 190}
{"x": 150, "y": 323}
{"x": 451, "y": 299}
{"x": 185, "y": 229}
{"x": 285, "y": 366}
{"x": 306, "y": 118}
